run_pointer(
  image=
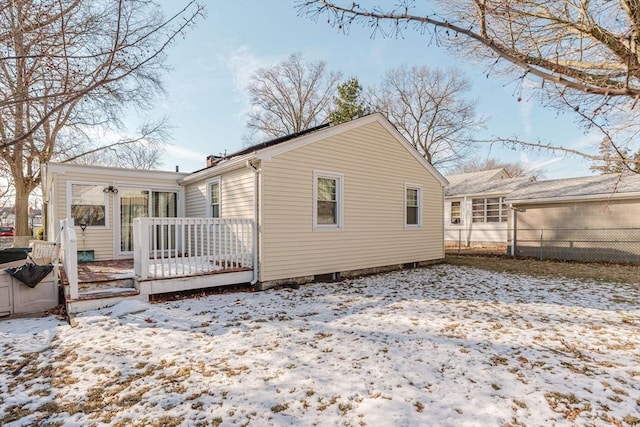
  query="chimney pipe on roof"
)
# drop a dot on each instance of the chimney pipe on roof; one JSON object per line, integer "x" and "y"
{"x": 213, "y": 160}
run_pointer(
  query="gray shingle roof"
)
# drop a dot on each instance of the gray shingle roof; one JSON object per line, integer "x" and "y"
{"x": 483, "y": 176}
{"x": 604, "y": 185}
{"x": 483, "y": 182}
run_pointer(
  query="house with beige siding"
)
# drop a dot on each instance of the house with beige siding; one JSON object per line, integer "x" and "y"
{"x": 339, "y": 199}
{"x": 593, "y": 218}
{"x": 325, "y": 203}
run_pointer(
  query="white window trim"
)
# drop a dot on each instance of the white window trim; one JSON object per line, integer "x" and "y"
{"x": 339, "y": 198}
{"x": 208, "y": 190}
{"x": 461, "y": 222}
{"x": 418, "y": 187}
{"x": 105, "y": 198}
{"x": 503, "y": 210}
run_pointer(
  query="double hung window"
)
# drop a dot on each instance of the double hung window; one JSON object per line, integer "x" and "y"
{"x": 327, "y": 210}
{"x": 214, "y": 199}
{"x": 88, "y": 204}
{"x": 456, "y": 213}
{"x": 413, "y": 205}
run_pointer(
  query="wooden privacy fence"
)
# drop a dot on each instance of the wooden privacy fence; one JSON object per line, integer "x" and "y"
{"x": 172, "y": 247}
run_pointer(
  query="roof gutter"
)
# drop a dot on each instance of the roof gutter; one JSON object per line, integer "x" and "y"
{"x": 225, "y": 166}
{"x": 593, "y": 197}
{"x": 496, "y": 193}
{"x": 256, "y": 222}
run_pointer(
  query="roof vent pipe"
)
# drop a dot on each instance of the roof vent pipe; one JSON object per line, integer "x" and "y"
{"x": 213, "y": 160}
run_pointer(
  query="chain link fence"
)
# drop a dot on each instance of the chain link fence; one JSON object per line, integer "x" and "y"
{"x": 620, "y": 245}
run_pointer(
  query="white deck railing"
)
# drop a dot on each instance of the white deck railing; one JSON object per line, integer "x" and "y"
{"x": 69, "y": 255}
{"x": 171, "y": 247}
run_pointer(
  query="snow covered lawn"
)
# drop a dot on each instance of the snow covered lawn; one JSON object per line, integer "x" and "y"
{"x": 446, "y": 346}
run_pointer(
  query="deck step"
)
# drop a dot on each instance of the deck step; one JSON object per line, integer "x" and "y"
{"x": 103, "y": 298}
{"x": 84, "y": 287}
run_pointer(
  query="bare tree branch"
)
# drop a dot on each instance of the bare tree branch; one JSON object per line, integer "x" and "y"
{"x": 429, "y": 108}
{"x": 290, "y": 97}
{"x": 74, "y": 64}
{"x": 585, "y": 54}
{"x": 500, "y": 13}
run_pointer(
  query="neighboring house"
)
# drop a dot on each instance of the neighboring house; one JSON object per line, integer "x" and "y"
{"x": 7, "y": 216}
{"x": 331, "y": 201}
{"x": 595, "y": 218}
{"x": 475, "y": 209}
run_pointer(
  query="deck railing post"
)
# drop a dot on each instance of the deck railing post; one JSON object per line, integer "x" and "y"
{"x": 141, "y": 247}
{"x": 69, "y": 242}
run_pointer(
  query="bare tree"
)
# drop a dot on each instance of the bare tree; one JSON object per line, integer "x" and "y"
{"x": 145, "y": 151}
{"x": 73, "y": 64}
{"x": 429, "y": 108}
{"x": 290, "y": 97}
{"x": 513, "y": 169}
{"x": 585, "y": 55}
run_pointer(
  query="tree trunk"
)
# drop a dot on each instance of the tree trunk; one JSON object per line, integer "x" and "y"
{"x": 21, "y": 227}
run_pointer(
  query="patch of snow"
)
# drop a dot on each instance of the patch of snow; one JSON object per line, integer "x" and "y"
{"x": 106, "y": 290}
{"x": 127, "y": 307}
{"x": 178, "y": 267}
{"x": 119, "y": 276}
{"x": 446, "y": 345}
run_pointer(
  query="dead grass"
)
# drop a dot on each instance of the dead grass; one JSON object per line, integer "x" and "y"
{"x": 621, "y": 273}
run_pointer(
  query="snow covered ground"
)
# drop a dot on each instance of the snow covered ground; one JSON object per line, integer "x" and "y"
{"x": 445, "y": 346}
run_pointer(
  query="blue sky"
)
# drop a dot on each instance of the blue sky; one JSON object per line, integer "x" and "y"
{"x": 206, "y": 98}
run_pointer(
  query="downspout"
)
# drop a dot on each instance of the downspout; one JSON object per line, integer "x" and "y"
{"x": 513, "y": 230}
{"x": 256, "y": 212}
{"x": 467, "y": 223}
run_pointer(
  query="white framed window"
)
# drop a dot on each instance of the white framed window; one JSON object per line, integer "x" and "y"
{"x": 456, "y": 213}
{"x": 87, "y": 204}
{"x": 213, "y": 198}
{"x": 489, "y": 210}
{"x": 327, "y": 200}
{"x": 412, "y": 205}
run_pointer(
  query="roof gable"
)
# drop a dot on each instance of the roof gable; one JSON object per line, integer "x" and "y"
{"x": 269, "y": 149}
{"x": 274, "y": 150}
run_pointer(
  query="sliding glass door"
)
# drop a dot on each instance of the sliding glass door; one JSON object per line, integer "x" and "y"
{"x": 138, "y": 203}
{"x": 164, "y": 205}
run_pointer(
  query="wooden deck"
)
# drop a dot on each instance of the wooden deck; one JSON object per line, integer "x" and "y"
{"x": 100, "y": 271}
{"x": 170, "y": 255}
{"x": 106, "y": 283}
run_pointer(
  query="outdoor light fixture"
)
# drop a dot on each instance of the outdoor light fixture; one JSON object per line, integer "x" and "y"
{"x": 83, "y": 226}
{"x": 110, "y": 189}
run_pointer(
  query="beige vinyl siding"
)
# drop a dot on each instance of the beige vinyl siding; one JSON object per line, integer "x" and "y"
{"x": 236, "y": 191}
{"x": 581, "y": 214}
{"x": 375, "y": 169}
{"x": 102, "y": 240}
{"x": 196, "y": 200}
